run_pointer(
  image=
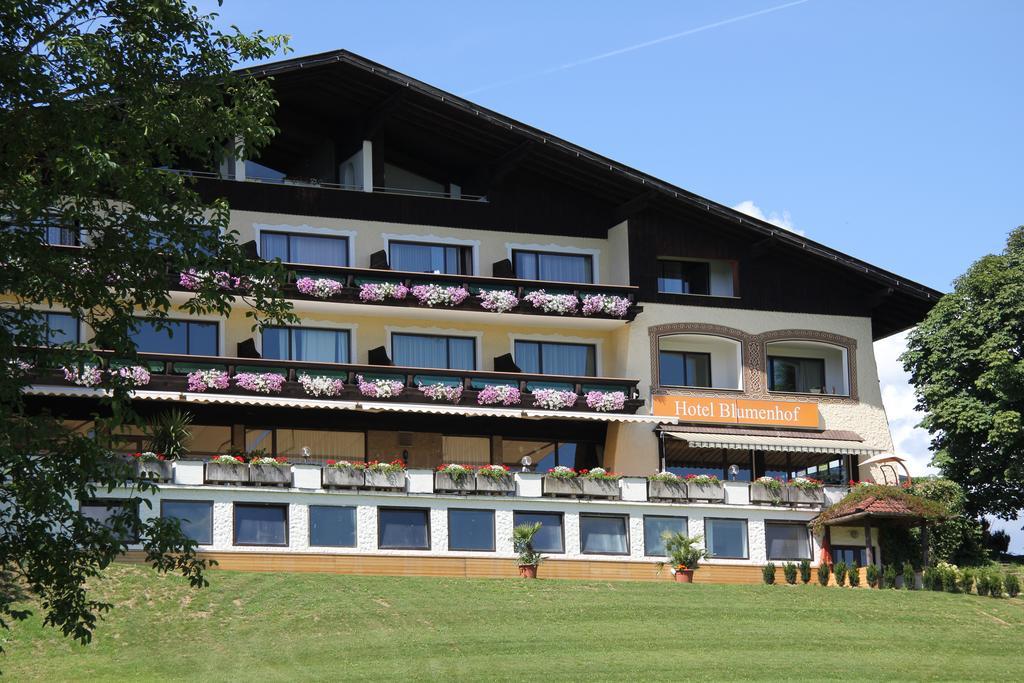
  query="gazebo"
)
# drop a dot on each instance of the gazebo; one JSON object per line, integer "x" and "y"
{"x": 873, "y": 511}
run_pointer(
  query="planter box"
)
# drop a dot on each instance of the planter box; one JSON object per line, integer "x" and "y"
{"x": 554, "y": 486}
{"x": 275, "y": 475}
{"x": 797, "y": 496}
{"x": 154, "y": 471}
{"x": 708, "y": 492}
{"x": 759, "y": 493}
{"x": 502, "y": 485}
{"x": 216, "y": 473}
{"x": 666, "y": 490}
{"x": 384, "y": 480}
{"x": 601, "y": 488}
{"x": 338, "y": 476}
{"x": 445, "y": 482}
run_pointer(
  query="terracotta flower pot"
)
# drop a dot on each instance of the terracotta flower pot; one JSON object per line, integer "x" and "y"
{"x": 684, "y": 576}
{"x": 528, "y": 571}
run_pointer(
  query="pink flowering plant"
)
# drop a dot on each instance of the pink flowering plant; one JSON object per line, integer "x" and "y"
{"x": 499, "y": 394}
{"x": 86, "y": 376}
{"x": 194, "y": 280}
{"x": 260, "y": 382}
{"x": 201, "y": 380}
{"x": 606, "y": 401}
{"x": 319, "y": 385}
{"x": 379, "y": 291}
{"x": 554, "y": 399}
{"x": 134, "y": 375}
{"x": 595, "y": 304}
{"x": 553, "y": 303}
{"x": 321, "y": 287}
{"x": 498, "y": 300}
{"x": 379, "y": 388}
{"x": 436, "y": 295}
{"x": 442, "y": 392}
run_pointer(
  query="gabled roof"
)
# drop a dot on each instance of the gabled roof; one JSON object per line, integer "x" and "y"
{"x": 631, "y": 184}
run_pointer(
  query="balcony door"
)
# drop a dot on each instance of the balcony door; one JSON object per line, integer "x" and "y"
{"x": 551, "y": 358}
{"x": 433, "y": 351}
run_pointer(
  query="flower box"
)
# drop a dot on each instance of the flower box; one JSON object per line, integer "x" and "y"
{"x": 154, "y": 470}
{"x": 709, "y": 492}
{"x": 559, "y": 486}
{"x": 600, "y": 488}
{"x": 385, "y": 480}
{"x": 759, "y": 493}
{"x": 275, "y": 475}
{"x": 666, "y": 490}
{"x": 343, "y": 476}
{"x": 445, "y": 482}
{"x": 802, "y": 496}
{"x": 218, "y": 473}
{"x": 485, "y": 484}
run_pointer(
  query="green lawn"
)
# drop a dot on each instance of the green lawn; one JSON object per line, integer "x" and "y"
{"x": 309, "y": 626}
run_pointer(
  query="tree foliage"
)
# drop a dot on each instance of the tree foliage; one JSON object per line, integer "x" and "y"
{"x": 96, "y": 97}
{"x": 966, "y": 362}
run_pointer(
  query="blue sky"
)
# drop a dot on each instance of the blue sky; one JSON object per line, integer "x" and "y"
{"x": 888, "y": 130}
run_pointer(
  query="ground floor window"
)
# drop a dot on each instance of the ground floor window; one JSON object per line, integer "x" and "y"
{"x": 195, "y": 517}
{"x": 403, "y": 528}
{"x": 551, "y": 537}
{"x": 471, "y": 529}
{"x": 850, "y": 554}
{"x": 261, "y": 524}
{"x": 786, "y": 541}
{"x": 654, "y": 527}
{"x": 332, "y": 526}
{"x": 118, "y": 515}
{"x": 603, "y": 535}
{"x": 726, "y": 538}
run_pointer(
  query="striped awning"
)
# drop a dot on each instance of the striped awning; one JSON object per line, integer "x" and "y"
{"x": 773, "y": 443}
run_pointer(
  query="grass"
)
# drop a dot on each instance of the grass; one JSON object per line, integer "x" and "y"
{"x": 308, "y": 626}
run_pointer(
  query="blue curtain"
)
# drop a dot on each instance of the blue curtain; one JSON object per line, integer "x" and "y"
{"x": 565, "y": 268}
{"x": 274, "y": 246}
{"x": 323, "y": 346}
{"x": 321, "y": 251}
{"x": 422, "y": 351}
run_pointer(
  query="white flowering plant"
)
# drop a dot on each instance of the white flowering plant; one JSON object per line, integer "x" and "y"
{"x": 553, "y": 303}
{"x": 319, "y": 385}
{"x": 498, "y": 300}
{"x": 554, "y": 399}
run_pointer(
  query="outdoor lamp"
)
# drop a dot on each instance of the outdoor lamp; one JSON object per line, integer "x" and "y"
{"x": 733, "y": 471}
{"x": 526, "y": 462}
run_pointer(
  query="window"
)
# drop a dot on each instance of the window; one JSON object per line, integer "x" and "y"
{"x": 332, "y": 526}
{"x": 322, "y": 444}
{"x": 539, "y": 265}
{"x": 417, "y": 257}
{"x": 684, "y": 277}
{"x": 194, "y": 516}
{"x": 120, "y": 516}
{"x": 316, "y": 250}
{"x": 304, "y": 343}
{"x": 471, "y": 530}
{"x": 684, "y": 369}
{"x": 550, "y": 538}
{"x": 182, "y": 337}
{"x": 603, "y": 535}
{"x": 429, "y": 351}
{"x": 547, "y": 454}
{"x": 466, "y": 450}
{"x": 654, "y": 527}
{"x": 805, "y": 375}
{"x": 403, "y": 528}
{"x": 787, "y": 541}
{"x": 850, "y": 554}
{"x": 550, "y": 358}
{"x": 62, "y": 328}
{"x": 726, "y": 538}
{"x": 261, "y": 524}
{"x": 48, "y": 230}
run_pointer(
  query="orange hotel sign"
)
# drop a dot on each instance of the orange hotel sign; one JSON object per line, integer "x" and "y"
{"x": 737, "y": 411}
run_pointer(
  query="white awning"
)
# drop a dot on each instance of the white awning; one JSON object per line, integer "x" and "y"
{"x": 773, "y": 443}
{"x": 263, "y": 401}
{"x": 439, "y": 409}
{"x": 600, "y": 417}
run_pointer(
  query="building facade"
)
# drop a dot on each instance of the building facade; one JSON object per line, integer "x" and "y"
{"x": 475, "y": 291}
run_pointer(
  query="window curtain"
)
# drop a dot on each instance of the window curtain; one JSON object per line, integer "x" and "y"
{"x": 419, "y": 351}
{"x": 565, "y": 268}
{"x": 416, "y": 258}
{"x": 787, "y": 542}
{"x": 654, "y": 527}
{"x": 467, "y": 450}
{"x": 273, "y": 246}
{"x": 528, "y": 356}
{"x": 260, "y": 525}
{"x": 275, "y": 343}
{"x": 322, "y": 251}
{"x": 462, "y": 354}
{"x": 603, "y": 535}
{"x": 727, "y": 537}
{"x": 324, "y": 346}
{"x": 567, "y": 359}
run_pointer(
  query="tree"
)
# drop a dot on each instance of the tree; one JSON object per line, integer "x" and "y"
{"x": 966, "y": 362}
{"x": 96, "y": 96}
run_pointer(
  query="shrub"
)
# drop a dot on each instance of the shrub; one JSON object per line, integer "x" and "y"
{"x": 966, "y": 580}
{"x": 995, "y": 585}
{"x": 889, "y": 575}
{"x": 805, "y": 571}
{"x": 823, "y": 572}
{"x": 950, "y": 579}
{"x": 874, "y": 576}
{"x": 840, "y": 572}
{"x": 853, "y": 574}
{"x": 789, "y": 570}
{"x": 1012, "y": 584}
{"x": 982, "y": 583}
{"x": 928, "y": 578}
{"x": 768, "y": 573}
{"x": 909, "y": 577}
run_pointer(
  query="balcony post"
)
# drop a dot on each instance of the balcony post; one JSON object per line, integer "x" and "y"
{"x": 367, "y": 166}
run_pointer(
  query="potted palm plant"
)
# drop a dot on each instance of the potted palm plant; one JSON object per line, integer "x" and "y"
{"x": 522, "y": 543}
{"x": 168, "y": 435}
{"x": 684, "y": 555}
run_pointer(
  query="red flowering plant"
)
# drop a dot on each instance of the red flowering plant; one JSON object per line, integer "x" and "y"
{"x": 225, "y": 459}
{"x": 805, "y": 483}
{"x": 346, "y": 465}
{"x": 494, "y": 471}
{"x": 562, "y": 472}
{"x": 279, "y": 461}
{"x": 601, "y": 474}
{"x": 396, "y": 465}
{"x": 148, "y": 456}
{"x": 701, "y": 479}
{"x": 456, "y": 471}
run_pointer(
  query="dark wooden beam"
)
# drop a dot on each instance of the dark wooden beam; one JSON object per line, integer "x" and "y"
{"x": 496, "y": 171}
{"x": 380, "y": 112}
{"x": 636, "y": 204}
{"x": 880, "y": 297}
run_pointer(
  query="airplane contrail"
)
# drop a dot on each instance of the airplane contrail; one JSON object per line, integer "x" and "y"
{"x": 638, "y": 46}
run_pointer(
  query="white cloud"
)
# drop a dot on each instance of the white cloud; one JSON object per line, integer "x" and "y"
{"x": 782, "y": 220}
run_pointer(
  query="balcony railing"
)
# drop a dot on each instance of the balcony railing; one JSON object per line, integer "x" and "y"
{"x": 169, "y": 372}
